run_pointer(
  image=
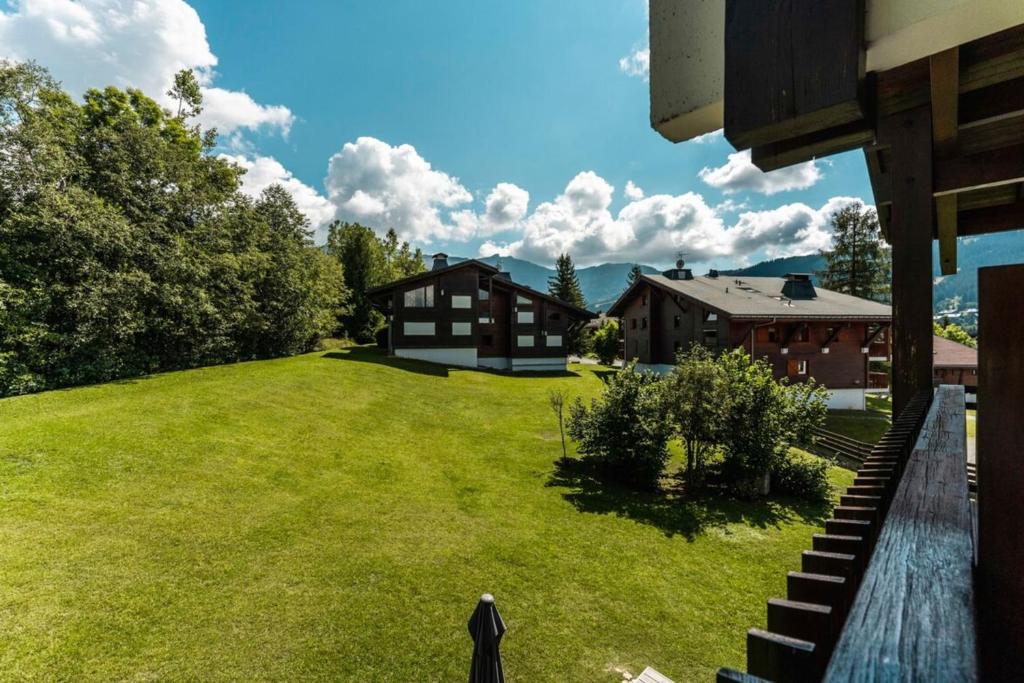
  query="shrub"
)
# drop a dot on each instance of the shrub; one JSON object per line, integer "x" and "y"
{"x": 695, "y": 403}
{"x": 624, "y": 430}
{"x": 802, "y": 477}
{"x": 606, "y": 341}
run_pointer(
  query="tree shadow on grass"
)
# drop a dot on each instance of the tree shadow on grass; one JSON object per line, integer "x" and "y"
{"x": 363, "y": 354}
{"x": 671, "y": 510}
{"x": 366, "y": 354}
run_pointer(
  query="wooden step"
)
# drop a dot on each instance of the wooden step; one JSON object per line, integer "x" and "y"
{"x": 780, "y": 658}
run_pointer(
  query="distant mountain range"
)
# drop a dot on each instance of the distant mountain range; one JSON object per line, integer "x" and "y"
{"x": 603, "y": 284}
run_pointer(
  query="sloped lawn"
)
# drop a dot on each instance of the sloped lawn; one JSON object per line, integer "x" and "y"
{"x": 335, "y": 516}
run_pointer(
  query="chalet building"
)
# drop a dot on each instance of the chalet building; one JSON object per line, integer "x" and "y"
{"x": 473, "y": 315}
{"x": 955, "y": 363}
{"x": 801, "y": 330}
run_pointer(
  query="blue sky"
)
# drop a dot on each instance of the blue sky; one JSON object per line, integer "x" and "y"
{"x": 469, "y": 126}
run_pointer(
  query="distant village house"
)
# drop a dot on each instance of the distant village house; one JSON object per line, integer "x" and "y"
{"x": 471, "y": 314}
{"x": 801, "y": 330}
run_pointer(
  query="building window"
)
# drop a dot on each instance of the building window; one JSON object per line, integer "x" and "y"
{"x": 773, "y": 335}
{"x": 554, "y": 340}
{"x": 801, "y": 367}
{"x": 524, "y": 317}
{"x": 632, "y": 323}
{"x": 461, "y": 329}
{"x": 523, "y": 300}
{"x": 418, "y": 329}
{"x": 487, "y": 340}
{"x": 643, "y": 300}
{"x": 802, "y": 334}
{"x": 676, "y": 322}
{"x": 643, "y": 323}
{"x": 485, "y": 319}
{"x": 421, "y": 297}
{"x": 462, "y": 301}
{"x": 711, "y": 317}
{"x": 483, "y": 295}
{"x": 524, "y": 340}
{"x": 711, "y": 338}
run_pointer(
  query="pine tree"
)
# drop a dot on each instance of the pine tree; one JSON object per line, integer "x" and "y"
{"x": 858, "y": 264}
{"x": 565, "y": 285}
{"x": 634, "y": 274}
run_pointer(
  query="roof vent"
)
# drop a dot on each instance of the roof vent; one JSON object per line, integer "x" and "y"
{"x": 712, "y": 273}
{"x": 678, "y": 274}
{"x": 798, "y": 286}
{"x": 502, "y": 275}
{"x": 440, "y": 261}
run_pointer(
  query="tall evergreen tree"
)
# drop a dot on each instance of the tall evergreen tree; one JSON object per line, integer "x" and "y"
{"x": 858, "y": 264}
{"x": 565, "y": 285}
{"x": 634, "y": 274}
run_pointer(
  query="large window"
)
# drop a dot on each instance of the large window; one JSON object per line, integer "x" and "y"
{"x": 524, "y": 340}
{"x": 462, "y": 301}
{"x": 523, "y": 300}
{"x": 483, "y": 295}
{"x": 421, "y": 297}
{"x": 418, "y": 329}
{"x": 484, "y": 319}
{"x": 524, "y": 317}
{"x": 554, "y": 340}
{"x": 462, "y": 329}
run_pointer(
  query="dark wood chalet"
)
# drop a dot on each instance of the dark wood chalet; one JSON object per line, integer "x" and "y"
{"x": 471, "y": 314}
{"x": 801, "y": 330}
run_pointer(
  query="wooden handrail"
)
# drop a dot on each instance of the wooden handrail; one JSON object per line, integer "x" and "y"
{"x": 913, "y": 617}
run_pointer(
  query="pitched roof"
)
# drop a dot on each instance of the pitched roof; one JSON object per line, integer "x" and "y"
{"x": 760, "y": 298}
{"x": 947, "y": 353}
{"x": 502, "y": 282}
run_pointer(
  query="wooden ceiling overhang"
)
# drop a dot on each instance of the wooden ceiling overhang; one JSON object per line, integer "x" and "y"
{"x": 795, "y": 88}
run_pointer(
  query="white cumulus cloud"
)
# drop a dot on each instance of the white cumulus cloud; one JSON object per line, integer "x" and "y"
{"x": 632, "y": 192}
{"x": 261, "y": 172}
{"x": 637, "y": 63}
{"x": 129, "y": 43}
{"x": 653, "y": 229}
{"x": 739, "y": 174}
{"x": 385, "y": 186}
{"x": 504, "y": 207}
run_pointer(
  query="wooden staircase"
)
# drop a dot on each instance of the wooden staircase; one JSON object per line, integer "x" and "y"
{"x": 803, "y": 628}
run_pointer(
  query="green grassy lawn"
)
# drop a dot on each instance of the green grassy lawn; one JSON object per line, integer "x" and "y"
{"x": 335, "y": 516}
{"x": 864, "y": 425}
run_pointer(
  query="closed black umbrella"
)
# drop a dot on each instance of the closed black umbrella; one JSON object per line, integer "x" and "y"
{"x": 486, "y": 628}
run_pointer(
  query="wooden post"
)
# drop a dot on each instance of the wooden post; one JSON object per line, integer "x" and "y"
{"x": 1001, "y": 471}
{"x": 908, "y": 134}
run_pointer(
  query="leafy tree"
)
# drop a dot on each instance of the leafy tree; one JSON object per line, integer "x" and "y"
{"x": 606, "y": 341}
{"x": 565, "y": 285}
{"x": 365, "y": 266}
{"x": 634, "y": 274}
{"x": 623, "y": 431}
{"x": 858, "y": 264}
{"x": 695, "y": 402}
{"x": 127, "y": 248}
{"x": 954, "y": 332}
{"x": 763, "y": 418}
{"x": 188, "y": 94}
{"x": 399, "y": 258}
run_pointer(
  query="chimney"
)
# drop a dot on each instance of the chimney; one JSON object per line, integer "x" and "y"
{"x": 798, "y": 286}
{"x": 440, "y": 261}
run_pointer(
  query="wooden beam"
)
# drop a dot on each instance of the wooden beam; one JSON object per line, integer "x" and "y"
{"x": 910, "y": 137}
{"x": 945, "y": 220}
{"x": 983, "y": 169}
{"x": 874, "y": 335}
{"x": 944, "y": 68}
{"x": 1000, "y": 472}
{"x": 992, "y": 219}
{"x": 821, "y": 143}
{"x": 833, "y": 334}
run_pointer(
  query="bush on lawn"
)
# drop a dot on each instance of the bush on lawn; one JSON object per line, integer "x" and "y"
{"x": 624, "y": 430}
{"x": 606, "y": 341}
{"x": 802, "y": 477}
